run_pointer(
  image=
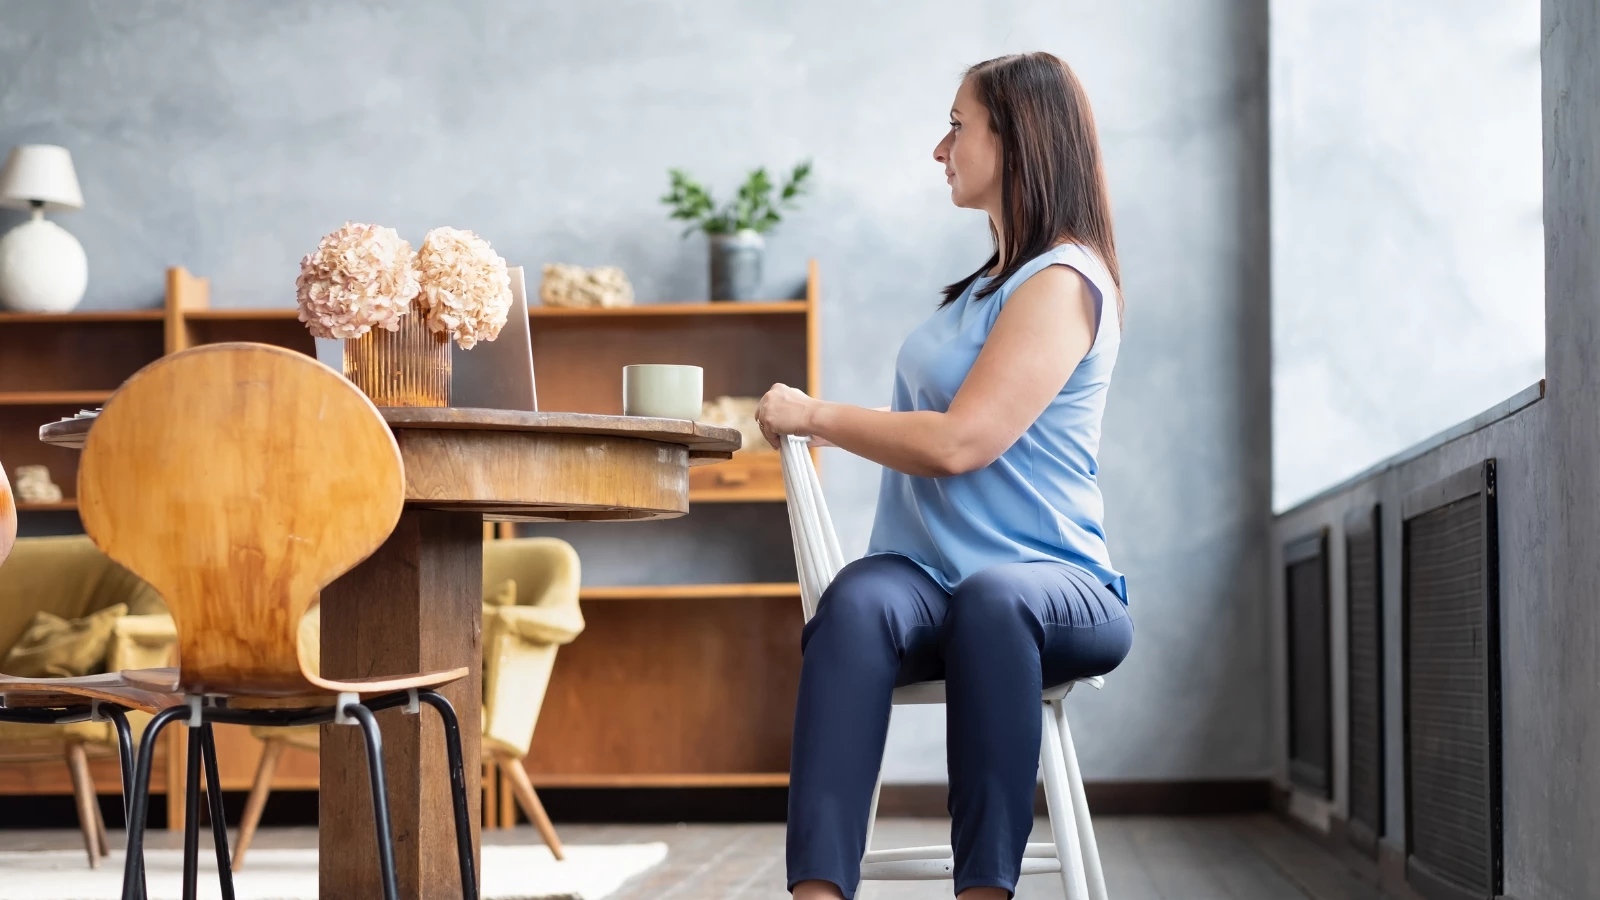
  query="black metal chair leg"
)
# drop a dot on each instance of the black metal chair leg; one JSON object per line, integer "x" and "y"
{"x": 132, "y": 871}
{"x": 380, "y": 796}
{"x": 191, "y": 820}
{"x": 219, "y": 823}
{"x": 119, "y": 718}
{"x": 458, "y": 789}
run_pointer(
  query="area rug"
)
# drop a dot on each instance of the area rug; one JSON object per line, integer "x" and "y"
{"x": 589, "y": 872}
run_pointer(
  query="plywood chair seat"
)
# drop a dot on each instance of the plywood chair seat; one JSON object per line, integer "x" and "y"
{"x": 166, "y": 682}
{"x": 239, "y": 480}
{"x": 113, "y": 687}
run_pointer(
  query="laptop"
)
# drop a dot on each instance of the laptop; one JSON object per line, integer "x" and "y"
{"x": 498, "y": 374}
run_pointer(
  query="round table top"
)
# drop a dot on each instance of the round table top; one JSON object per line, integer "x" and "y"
{"x": 533, "y": 466}
{"x": 709, "y": 439}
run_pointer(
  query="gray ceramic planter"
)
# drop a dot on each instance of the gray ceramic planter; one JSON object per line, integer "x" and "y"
{"x": 736, "y": 265}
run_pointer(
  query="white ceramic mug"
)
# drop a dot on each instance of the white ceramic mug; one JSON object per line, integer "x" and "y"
{"x": 663, "y": 392}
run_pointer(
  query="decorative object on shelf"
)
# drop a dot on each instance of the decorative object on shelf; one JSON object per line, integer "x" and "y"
{"x": 34, "y": 485}
{"x": 396, "y": 310}
{"x": 735, "y": 229}
{"x": 42, "y": 266}
{"x": 740, "y": 413}
{"x": 602, "y": 287}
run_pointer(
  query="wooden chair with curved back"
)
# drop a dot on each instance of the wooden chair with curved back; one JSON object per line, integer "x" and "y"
{"x": 239, "y": 480}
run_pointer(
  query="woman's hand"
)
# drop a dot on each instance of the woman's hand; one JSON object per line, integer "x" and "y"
{"x": 785, "y": 410}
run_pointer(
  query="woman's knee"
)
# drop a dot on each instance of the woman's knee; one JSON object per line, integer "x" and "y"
{"x": 994, "y": 599}
{"x": 861, "y": 595}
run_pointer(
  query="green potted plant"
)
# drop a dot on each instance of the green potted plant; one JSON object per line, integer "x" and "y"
{"x": 735, "y": 229}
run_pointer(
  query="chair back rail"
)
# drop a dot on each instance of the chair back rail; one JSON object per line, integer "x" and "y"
{"x": 239, "y": 480}
{"x": 818, "y": 557}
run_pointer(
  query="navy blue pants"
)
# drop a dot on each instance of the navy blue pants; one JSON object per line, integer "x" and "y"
{"x": 997, "y": 641}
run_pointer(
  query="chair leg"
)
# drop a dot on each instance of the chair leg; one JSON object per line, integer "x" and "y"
{"x": 271, "y": 749}
{"x": 176, "y": 804}
{"x": 139, "y": 802}
{"x": 380, "y": 796}
{"x": 1093, "y": 874}
{"x": 1057, "y": 798}
{"x": 491, "y": 796}
{"x": 511, "y": 768}
{"x": 99, "y": 823}
{"x": 83, "y": 792}
{"x": 219, "y": 821}
{"x": 508, "y": 797}
{"x": 191, "y": 819}
{"x": 125, "y": 755}
{"x": 872, "y": 811}
{"x": 458, "y": 790}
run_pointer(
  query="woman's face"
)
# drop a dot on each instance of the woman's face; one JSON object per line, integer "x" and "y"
{"x": 970, "y": 153}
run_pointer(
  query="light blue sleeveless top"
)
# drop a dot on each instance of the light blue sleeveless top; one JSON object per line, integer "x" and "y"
{"x": 1039, "y": 500}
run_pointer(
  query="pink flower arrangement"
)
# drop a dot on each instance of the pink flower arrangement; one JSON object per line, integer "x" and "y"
{"x": 359, "y": 278}
{"x": 363, "y": 277}
{"x": 466, "y": 291}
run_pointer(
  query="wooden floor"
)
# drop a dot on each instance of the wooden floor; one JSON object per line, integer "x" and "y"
{"x": 1244, "y": 858}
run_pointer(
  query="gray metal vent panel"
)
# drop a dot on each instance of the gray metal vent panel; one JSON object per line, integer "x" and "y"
{"x": 1452, "y": 692}
{"x": 1364, "y": 587}
{"x": 1310, "y": 703}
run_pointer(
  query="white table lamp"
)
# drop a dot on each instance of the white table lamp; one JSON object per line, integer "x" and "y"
{"x": 42, "y": 266}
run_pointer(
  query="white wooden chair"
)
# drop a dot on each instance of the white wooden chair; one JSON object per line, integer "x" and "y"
{"x": 1073, "y": 852}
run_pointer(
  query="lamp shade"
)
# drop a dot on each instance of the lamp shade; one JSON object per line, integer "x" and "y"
{"x": 39, "y": 173}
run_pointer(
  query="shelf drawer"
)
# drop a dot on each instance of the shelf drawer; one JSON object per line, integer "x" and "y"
{"x": 746, "y": 477}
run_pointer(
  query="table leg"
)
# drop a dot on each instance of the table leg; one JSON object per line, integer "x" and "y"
{"x": 414, "y": 606}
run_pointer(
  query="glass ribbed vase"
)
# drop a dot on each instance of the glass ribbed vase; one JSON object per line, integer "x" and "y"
{"x": 409, "y": 367}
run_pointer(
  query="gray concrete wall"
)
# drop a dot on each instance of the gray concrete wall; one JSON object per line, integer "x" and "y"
{"x": 1407, "y": 250}
{"x": 228, "y": 136}
{"x": 1566, "y": 630}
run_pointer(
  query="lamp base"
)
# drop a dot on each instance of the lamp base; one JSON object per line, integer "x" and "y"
{"x": 42, "y": 268}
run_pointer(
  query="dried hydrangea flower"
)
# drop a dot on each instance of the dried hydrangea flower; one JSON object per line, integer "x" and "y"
{"x": 466, "y": 291}
{"x": 359, "y": 278}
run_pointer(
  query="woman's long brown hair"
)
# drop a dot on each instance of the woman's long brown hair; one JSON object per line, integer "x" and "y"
{"x": 1052, "y": 182}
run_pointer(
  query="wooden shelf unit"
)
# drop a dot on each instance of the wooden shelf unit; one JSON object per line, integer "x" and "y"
{"x": 696, "y": 691}
{"x": 689, "y": 685}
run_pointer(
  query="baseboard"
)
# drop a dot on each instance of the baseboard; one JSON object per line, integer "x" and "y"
{"x": 654, "y": 805}
{"x": 660, "y": 805}
{"x": 286, "y": 807}
{"x": 1106, "y": 798}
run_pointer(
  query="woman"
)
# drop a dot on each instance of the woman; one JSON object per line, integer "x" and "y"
{"x": 987, "y": 565}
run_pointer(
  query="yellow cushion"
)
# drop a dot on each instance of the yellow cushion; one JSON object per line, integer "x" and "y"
{"x": 69, "y": 577}
{"x": 504, "y": 595}
{"x": 54, "y": 647}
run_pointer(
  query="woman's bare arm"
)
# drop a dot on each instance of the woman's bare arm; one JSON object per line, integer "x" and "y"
{"x": 1044, "y": 331}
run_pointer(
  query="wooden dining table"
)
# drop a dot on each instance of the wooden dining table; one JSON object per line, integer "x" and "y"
{"x": 415, "y": 604}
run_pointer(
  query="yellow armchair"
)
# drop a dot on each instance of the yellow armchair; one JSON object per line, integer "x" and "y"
{"x": 520, "y": 640}
{"x": 70, "y": 577}
{"x": 522, "y": 629}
